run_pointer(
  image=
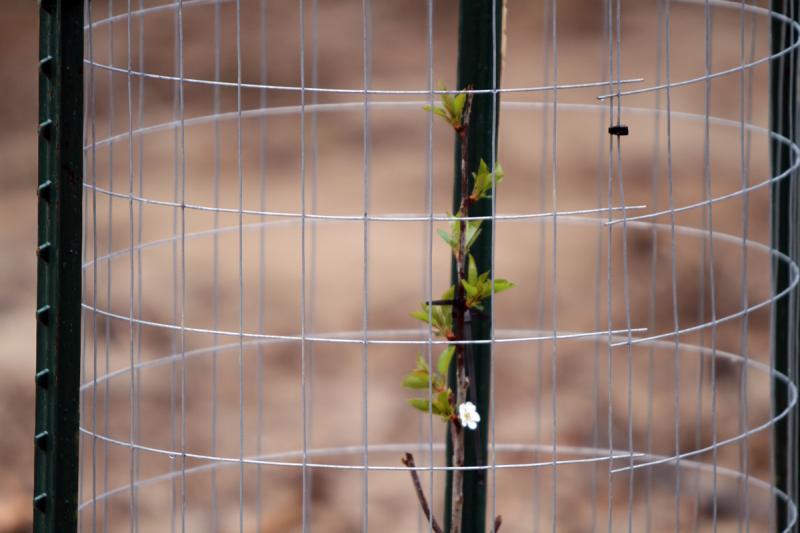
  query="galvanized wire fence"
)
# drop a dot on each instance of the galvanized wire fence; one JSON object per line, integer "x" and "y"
{"x": 262, "y": 195}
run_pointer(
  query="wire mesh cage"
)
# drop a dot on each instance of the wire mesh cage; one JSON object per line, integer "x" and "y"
{"x": 262, "y": 202}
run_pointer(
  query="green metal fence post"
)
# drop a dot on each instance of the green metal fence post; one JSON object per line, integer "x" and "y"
{"x": 479, "y": 62}
{"x": 58, "y": 311}
{"x": 785, "y": 224}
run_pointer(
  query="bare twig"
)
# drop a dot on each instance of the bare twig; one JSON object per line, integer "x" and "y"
{"x": 408, "y": 460}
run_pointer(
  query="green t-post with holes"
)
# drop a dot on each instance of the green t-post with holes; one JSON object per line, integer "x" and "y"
{"x": 58, "y": 311}
{"x": 479, "y": 62}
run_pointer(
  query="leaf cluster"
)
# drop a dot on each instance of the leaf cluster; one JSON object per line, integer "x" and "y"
{"x": 440, "y": 317}
{"x": 451, "y": 108}
{"x": 472, "y": 229}
{"x": 478, "y": 287}
{"x": 485, "y": 180}
{"x": 436, "y": 382}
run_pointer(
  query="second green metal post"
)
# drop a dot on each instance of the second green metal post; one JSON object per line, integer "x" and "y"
{"x": 479, "y": 61}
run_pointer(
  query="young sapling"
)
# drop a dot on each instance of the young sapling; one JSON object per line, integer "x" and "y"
{"x": 449, "y": 317}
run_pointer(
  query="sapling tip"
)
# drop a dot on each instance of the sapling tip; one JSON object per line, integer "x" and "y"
{"x": 449, "y": 317}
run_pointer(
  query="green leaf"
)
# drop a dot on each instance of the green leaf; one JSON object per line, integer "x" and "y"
{"x": 501, "y": 285}
{"x": 485, "y": 180}
{"x": 441, "y": 404}
{"x": 422, "y": 364}
{"x": 481, "y": 179}
{"x": 449, "y": 293}
{"x": 421, "y": 404}
{"x": 439, "y": 317}
{"x": 443, "y": 365}
{"x": 420, "y": 315}
{"x": 499, "y": 174}
{"x": 447, "y": 238}
{"x": 483, "y": 168}
{"x": 437, "y": 110}
{"x": 417, "y": 380}
{"x": 448, "y": 103}
{"x": 441, "y": 112}
{"x": 473, "y": 230}
{"x": 472, "y": 291}
{"x": 479, "y": 187}
{"x": 458, "y": 105}
{"x": 444, "y": 397}
{"x": 472, "y": 271}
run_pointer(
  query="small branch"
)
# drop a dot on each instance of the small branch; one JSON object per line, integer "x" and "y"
{"x": 459, "y": 309}
{"x": 498, "y": 521}
{"x": 441, "y": 302}
{"x": 408, "y": 460}
{"x": 458, "y": 478}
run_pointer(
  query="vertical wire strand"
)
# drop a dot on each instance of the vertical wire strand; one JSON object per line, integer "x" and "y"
{"x": 93, "y": 149}
{"x": 215, "y": 296}
{"x": 792, "y": 341}
{"x": 777, "y": 208}
{"x": 131, "y": 265}
{"x": 597, "y": 295}
{"x": 625, "y": 269}
{"x": 240, "y": 177}
{"x": 176, "y": 337}
{"x": 492, "y": 410}
{"x": 773, "y": 217}
{"x": 313, "y": 274}
{"x": 139, "y": 261}
{"x": 366, "y": 43}
{"x": 428, "y": 282}
{"x": 794, "y": 251}
{"x": 262, "y": 236}
{"x": 303, "y": 221}
{"x": 673, "y": 263}
{"x": 84, "y": 278}
{"x": 709, "y": 224}
{"x": 744, "y": 510}
{"x": 540, "y": 284}
{"x": 704, "y": 244}
{"x": 609, "y": 271}
{"x": 748, "y": 152}
{"x": 554, "y": 302}
{"x": 109, "y": 248}
{"x": 794, "y": 239}
{"x": 182, "y": 153}
{"x": 653, "y": 294}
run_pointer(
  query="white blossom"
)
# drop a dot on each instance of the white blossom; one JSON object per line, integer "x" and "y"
{"x": 468, "y": 414}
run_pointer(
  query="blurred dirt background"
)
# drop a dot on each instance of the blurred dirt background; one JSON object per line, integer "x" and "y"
{"x": 603, "y": 396}
{"x": 18, "y": 148}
